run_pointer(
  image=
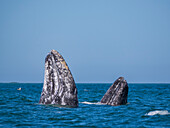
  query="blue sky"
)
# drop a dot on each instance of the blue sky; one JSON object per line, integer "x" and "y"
{"x": 99, "y": 39}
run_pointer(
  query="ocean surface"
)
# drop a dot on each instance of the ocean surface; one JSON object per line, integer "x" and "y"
{"x": 148, "y": 106}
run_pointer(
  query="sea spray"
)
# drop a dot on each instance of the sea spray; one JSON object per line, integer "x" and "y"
{"x": 157, "y": 112}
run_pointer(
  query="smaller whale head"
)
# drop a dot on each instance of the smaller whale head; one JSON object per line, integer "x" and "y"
{"x": 117, "y": 94}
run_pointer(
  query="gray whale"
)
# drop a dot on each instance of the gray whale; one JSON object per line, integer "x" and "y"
{"x": 117, "y": 94}
{"x": 59, "y": 87}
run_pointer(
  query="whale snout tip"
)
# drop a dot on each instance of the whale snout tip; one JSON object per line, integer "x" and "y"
{"x": 121, "y": 79}
{"x": 54, "y": 51}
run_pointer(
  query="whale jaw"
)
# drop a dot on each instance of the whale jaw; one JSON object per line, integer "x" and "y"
{"x": 59, "y": 87}
{"x": 117, "y": 94}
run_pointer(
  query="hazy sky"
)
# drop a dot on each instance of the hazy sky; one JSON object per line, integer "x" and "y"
{"x": 99, "y": 39}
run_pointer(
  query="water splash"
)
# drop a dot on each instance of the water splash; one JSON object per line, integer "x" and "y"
{"x": 98, "y": 103}
{"x": 158, "y": 112}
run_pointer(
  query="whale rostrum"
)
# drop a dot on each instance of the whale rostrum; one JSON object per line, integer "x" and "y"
{"x": 59, "y": 87}
{"x": 117, "y": 94}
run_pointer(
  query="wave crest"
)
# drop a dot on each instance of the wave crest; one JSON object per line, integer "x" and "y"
{"x": 85, "y": 102}
{"x": 157, "y": 112}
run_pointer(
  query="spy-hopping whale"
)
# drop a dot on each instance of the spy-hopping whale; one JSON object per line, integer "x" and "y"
{"x": 59, "y": 87}
{"x": 117, "y": 94}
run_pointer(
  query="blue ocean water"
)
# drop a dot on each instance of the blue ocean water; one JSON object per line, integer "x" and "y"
{"x": 148, "y": 106}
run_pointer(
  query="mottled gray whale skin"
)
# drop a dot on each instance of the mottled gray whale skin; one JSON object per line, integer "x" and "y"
{"x": 117, "y": 94}
{"x": 59, "y": 87}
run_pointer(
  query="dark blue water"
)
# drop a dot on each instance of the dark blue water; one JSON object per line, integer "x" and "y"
{"x": 148, "y": 106}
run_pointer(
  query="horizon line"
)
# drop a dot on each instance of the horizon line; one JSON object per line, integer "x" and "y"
{"x": 91, "y": 82}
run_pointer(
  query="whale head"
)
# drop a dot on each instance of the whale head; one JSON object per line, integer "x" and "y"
{"x": 117, "y": 94}
{"x": 59, "y": 87}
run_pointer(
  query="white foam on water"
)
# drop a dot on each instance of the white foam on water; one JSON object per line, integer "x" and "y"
{"x": 98, "y": 103}
{"x": 158, "y": 112}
